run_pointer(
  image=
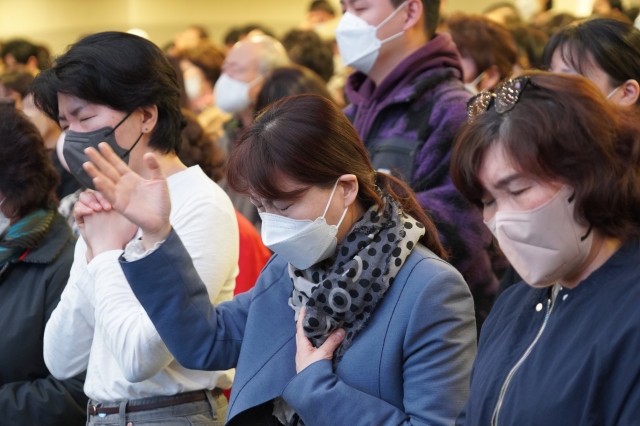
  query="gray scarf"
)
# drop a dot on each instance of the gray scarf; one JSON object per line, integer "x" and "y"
{"x": 343, "y": 291}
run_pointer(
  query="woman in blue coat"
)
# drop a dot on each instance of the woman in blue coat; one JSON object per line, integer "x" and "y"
{"x": 385, "y": 328}
{"x": 556, "y": 167}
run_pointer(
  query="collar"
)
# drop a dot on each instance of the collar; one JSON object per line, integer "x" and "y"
{"x": 56, "y": 239}
{"x": 439, "y": 56}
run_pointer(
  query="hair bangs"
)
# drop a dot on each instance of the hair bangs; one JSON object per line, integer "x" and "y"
{"x": 253, "y": 169}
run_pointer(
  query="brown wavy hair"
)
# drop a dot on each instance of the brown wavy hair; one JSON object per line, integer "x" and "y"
{"x": 309, "y": 140}
{"x": 27, "y": 176}
{"x": 563, "y": 129}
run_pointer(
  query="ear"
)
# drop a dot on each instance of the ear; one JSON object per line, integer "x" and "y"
{"x": 414, "y": 14}
{"x": 350, "y": 187}
{"x": 149, "y": 118}
{"x": 490, "y": 79}
{"x": 630, "y": 92}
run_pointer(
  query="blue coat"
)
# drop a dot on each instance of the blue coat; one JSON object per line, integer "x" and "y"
{"x": 584, "y": 369}
{"x": 409, "y": 366}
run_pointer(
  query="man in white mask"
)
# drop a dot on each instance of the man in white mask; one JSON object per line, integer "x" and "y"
{"x": 407, "y": 102}
{"x": 243, "y": 73}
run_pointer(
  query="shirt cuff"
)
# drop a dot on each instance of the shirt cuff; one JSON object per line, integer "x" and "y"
{"x": 135, "y": 250}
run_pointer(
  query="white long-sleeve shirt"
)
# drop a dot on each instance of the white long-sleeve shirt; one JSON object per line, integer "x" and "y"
{"x": 100, "y": 326}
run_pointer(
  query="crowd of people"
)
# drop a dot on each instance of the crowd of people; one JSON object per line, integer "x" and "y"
{"x": 391, "y": 215}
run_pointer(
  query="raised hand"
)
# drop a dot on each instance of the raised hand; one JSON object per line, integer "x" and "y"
{"x": 145, "y": 202}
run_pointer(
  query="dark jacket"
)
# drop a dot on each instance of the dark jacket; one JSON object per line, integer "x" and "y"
{"x": 30, "y": 289}
{"x": 584, "y": 368}
{"x": 408, "y": 124}
{"x": 410, "y": 365}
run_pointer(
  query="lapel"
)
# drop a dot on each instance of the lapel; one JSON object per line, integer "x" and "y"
{"x": 267, "y": 357}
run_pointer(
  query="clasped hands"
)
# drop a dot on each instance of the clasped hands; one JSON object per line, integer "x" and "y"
{"x": 124, "y": 201}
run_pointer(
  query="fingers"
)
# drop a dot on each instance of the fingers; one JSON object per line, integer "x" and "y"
{"x": 80, "y": 210}
{"x": 102, "y": 183}
{"x": 89, "y": 198}
{"x": 331, "y": 344}
{"x": 301, "y": 339}
{"x": 102, "y": 165}
{"x": 113, "y": 159}
{"x": 154, "y": 167}
{"x": 103, "y": 201}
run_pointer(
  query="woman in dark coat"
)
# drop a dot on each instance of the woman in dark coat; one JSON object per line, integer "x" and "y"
{"x": 36, "y": 252}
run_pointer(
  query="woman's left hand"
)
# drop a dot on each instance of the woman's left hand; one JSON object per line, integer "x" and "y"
{"x": 107, "y": 230}
{"x": 306, "y": 353}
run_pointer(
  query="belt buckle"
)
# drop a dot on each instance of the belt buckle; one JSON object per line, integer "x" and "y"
{"x": 92, "y": 410}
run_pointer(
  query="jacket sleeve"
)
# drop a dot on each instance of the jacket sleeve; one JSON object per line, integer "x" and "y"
{"x": 47, "y": 401}
{"x": 440, "y": 345}
{"x": 199, "y": 335}
{"x": 128, "y": 332}
{"x": 68, "y": 334}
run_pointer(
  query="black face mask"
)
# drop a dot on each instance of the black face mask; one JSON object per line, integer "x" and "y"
{"x": 76, "y": 142}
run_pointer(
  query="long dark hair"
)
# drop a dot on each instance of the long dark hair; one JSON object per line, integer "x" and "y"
{"x": 308, "y": 139}
{"x": 563, "y": 129}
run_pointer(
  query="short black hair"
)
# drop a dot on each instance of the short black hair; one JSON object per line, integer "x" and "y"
{"x": 614, "y": 46}
{"x": 322, "y": 5}
{"x": 20, "y": 49}
{"x": 431, "y": 11}
{"x": 306, "y": 48}
{"x": 121, "y": 71}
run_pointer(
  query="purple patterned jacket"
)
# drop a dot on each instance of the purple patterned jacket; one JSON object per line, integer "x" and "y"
{"x": 408, "y": 124}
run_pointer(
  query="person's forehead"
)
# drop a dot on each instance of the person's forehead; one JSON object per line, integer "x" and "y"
{"x": 243, "y": 54}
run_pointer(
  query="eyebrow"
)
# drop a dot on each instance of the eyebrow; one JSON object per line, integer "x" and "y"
{"x": 73, "y": 113}
{"x": 505, "y": 181}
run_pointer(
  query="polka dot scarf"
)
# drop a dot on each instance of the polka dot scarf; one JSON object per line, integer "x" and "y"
{"x": 342, "y": 293}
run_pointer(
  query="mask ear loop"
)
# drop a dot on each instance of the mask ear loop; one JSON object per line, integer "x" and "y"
{"x": 344, "y": 213}
{"x": 118, "y": 125}
{"x": 381, "y": 24}
{"x": 134, "y": 144}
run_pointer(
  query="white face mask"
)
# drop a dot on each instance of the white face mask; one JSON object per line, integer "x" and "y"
{"x": 473, "y": 86}
{"x": 192, "y": 86}
{"x": 302, "y": 243}
{"x": 232, "y": 96}
{"x": 546, "y": 243}
{"x": 5, "y": 222}
{"x": 358, "y": 41}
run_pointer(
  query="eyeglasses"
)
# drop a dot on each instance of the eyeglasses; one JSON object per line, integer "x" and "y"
{"x": 503, "y": 99}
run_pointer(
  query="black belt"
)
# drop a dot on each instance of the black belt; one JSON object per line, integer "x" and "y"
{"x": 169, "y": 402}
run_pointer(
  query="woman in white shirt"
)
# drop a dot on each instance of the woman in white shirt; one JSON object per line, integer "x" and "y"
{"x": 119, "y": 88}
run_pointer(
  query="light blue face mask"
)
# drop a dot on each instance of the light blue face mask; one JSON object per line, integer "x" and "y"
{"x": 5, "y": 222}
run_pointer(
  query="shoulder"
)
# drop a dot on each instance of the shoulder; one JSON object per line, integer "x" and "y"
{"x": 426, "y": 281}
{"x": 423, "y": 265}
{"x": 191, "y": 190}
{"x": 448, "y": 100}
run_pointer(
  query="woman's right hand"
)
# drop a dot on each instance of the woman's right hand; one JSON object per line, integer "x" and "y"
{"x": 145, "y": 202}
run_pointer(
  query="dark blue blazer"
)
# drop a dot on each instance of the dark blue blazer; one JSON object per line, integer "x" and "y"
{"x": 409, "y": 366}
{"x": 584, "y": 367}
